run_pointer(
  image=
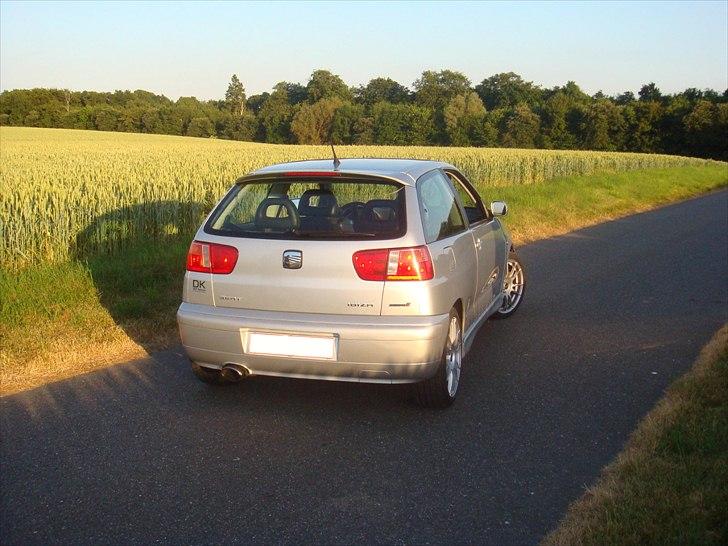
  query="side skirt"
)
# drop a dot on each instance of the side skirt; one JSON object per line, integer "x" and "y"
{"x": 475, "y": 326}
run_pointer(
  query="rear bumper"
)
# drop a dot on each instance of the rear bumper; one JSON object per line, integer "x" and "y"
{"x": 372, "y": 349}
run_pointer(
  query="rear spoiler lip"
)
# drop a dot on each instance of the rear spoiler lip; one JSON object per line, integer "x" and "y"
{"x": 341, "y": 175}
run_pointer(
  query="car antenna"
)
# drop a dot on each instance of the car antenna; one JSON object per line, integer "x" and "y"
{"x": 336, "y": 159}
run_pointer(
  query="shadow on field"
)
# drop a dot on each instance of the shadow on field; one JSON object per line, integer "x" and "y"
{"x": 136, "y": 256}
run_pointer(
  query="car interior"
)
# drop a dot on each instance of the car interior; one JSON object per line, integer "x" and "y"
{"x": 318, "y": 212}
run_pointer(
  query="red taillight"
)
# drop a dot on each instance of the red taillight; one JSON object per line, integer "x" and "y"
{"x": 394, "y": 264}
{"x": 371, "y": 265}
{"x": 211, "y": 258}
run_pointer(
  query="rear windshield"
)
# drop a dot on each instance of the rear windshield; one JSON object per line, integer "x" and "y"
{"x": 311, "y": 209}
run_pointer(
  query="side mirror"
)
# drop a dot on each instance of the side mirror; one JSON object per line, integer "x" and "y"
{"x": 498, "y": 208}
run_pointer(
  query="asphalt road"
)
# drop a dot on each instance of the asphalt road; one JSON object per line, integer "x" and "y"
{"x": 144, "y": 453}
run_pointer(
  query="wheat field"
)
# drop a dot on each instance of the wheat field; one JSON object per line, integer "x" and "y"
{"x": 64, "y": 192}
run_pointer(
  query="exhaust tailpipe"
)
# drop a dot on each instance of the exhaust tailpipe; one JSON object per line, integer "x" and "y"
{"x": 233, "y": 372}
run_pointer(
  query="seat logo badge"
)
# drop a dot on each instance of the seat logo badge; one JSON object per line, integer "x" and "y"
{"x": 292, "y": 259}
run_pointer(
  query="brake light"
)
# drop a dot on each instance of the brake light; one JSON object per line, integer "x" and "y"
{"x": 310, "y": 174}
{"x": 211, "y": 258}
{"x": 394, "y": 264}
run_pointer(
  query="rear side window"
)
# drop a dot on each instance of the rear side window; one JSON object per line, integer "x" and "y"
{"x": 441, "y": 216}
{"x": 306, "y": 208}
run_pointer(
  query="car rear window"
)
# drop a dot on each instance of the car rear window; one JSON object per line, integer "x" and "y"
{"x": 306, "y": 208}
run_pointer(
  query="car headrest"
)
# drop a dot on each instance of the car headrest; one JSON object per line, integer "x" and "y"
{"x": 268, "y": 215}
{"x": 318, "y": 203}
{"x": 381, "y": 210}
{"x": 378, "y": 216}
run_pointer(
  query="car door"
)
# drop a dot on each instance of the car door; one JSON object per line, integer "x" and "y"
{"x": 449, "y": 242}
{"x": 489, "y": 240}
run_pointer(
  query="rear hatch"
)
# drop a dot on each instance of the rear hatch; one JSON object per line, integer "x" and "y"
{"x": 296, "y": 235}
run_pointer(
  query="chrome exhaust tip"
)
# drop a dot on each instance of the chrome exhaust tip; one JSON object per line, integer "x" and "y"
{"x": 234, "y": 372}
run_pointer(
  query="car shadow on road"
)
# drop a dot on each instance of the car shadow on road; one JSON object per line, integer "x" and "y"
{"x": 136, "y": 257}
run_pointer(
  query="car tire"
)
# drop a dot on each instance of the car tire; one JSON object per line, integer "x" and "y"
{"x": 441, "y": 389}
{"x": 208, "y": 375}
{"x": 514, "y": 284}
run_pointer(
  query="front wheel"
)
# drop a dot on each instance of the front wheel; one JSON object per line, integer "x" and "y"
{"x": 440, "y": 390}
{"x": 514, "y": 285}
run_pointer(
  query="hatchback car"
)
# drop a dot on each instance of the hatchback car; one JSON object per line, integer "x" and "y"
{"x": 369, "y": 270}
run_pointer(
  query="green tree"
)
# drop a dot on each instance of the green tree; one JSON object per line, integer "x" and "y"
{"x": 506, "y": 90}
{"x": 483, "y": 131}
{"x": 345, "y": 125}
{"x": 325, "y": 85}
{"x": 521, "y": 128}
{"x": 312, "y": 123}
{"x": 151, "y": 121}
{"x": 275, "y": 116}
{"x": 32, "y": 119}
{"x": 643, "y": 122}
{"x": 106, "y": 119}
{"x": 625, "y": 98}
{"x": 170, "y": 121}
{"x": 435, "y": 89}
{"x": 364, "y": 130}
{"x": 130, "y": 117}
{"x": 555, "y": 127}
{"x": 464, "y": 115}
{"x": 235, "y": 96}
{"x": 603, "y": 126}
{"x": 200, "y": 127}
{"x": 575, "y": 94}
{"x": 706, "y": 128}
{"x": 239, "y": 127}
{"x": 672, "y": 129}
{"x": 381, "y": 89}
{"x": 401, "y": 124}
{"x": 650, "y": 92}
{"x": 255, "y": 102}
{"x": 297, "y": 93}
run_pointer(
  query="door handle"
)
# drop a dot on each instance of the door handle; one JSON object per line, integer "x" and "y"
{"x": 478, "y": 243}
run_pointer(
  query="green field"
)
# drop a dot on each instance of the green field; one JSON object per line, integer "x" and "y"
{"x": 67, "y": 193}
{"x": 95, "y": 226}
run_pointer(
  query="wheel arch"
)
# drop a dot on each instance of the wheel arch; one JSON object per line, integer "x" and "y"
{"x": 458, "y": 306}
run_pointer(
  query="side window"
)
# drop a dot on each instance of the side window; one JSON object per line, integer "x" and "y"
{"x": 473, "y": 209}
{"x": 441, "y": 216}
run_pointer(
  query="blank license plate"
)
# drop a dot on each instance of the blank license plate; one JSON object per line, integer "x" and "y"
{"x": 323, "y": 347}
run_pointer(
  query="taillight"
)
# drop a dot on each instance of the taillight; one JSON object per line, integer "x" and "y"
{"x": 211, "y": 258}
{"x": 394, "y": 264}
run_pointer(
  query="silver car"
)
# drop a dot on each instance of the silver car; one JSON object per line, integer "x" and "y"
{"x": 370, "y": 270}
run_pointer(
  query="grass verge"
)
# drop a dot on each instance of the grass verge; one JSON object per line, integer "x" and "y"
{"x": 670, "y": 484}
{"x": 553, "y": 208}
{"x": 63, "y": 319}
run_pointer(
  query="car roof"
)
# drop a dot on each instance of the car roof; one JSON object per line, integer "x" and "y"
{"x": 406, "y": 171}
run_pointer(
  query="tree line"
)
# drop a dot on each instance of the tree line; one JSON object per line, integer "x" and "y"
{"x": 442, "y": 108}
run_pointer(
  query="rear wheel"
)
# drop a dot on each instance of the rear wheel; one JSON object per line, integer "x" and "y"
{"x": 514, "y": 285}
{"x": 208, "y": 375}
{"x": 440, "y": 390}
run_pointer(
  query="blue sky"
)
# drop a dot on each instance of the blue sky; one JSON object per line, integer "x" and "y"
{"x": 183, "y": 49}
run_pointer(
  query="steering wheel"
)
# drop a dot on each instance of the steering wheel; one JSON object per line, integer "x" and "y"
{"x": 353, "y": 209}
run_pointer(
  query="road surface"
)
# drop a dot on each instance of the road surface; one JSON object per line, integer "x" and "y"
{"x": 144, "y": 453}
